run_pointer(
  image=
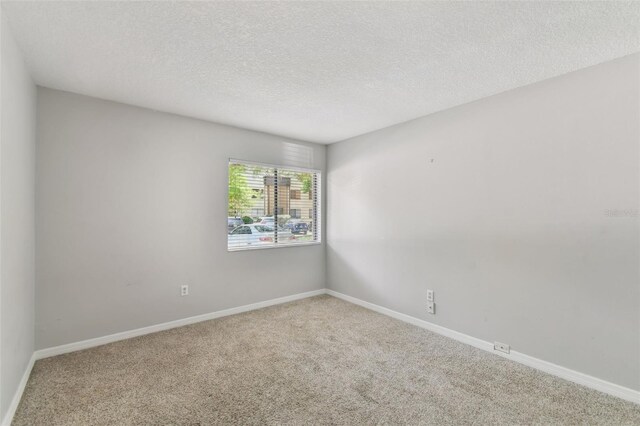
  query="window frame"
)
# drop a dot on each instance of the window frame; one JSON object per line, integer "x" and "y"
{"x": 317, "y": 221}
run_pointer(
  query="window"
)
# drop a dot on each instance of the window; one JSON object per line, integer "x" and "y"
{"x": 268, "y": 206}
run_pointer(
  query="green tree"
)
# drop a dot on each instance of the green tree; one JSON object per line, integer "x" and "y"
{"x": 305, "y": 179}
{"x": 239, "y": 191}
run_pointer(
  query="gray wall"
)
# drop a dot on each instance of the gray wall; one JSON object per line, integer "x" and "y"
{"x": 131, "y": 204}
{"x": 17, "y": 159}
{"x": 519, "y": 210}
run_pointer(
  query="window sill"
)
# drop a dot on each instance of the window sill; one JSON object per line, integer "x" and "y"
{"x": 278, "y": 246}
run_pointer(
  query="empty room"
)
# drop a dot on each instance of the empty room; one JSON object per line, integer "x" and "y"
{"x": 319, "y": 212}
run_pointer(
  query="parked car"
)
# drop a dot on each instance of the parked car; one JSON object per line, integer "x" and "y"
{"x": 253, "y": 234}
{"x": 270, "y": 221}
{"x": 256, "y": 234}
{"x": 298, "y": 228}
{"x": 233, "y": 223}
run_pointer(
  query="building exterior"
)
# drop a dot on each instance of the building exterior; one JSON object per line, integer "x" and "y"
{"x": 293, "y": 201}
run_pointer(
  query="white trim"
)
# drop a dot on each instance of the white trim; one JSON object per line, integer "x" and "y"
{"x": 545, "y": 366}
{"x": 99, "y": 341}
{"x": 273, "y": 246}
{"x": 11, "y": 411}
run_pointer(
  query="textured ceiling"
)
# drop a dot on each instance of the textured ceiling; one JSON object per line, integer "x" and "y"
{"x": 317, "y": 71}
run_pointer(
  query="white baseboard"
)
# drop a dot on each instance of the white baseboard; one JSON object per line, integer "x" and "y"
{"x": 99, "y": 341}
{"x": 11, "y": 411}
{"x": 545, "y": 366}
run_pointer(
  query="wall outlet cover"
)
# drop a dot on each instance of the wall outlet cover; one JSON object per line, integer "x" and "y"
{"x": 502, "y": 347}
{"x": 431, "y": 308}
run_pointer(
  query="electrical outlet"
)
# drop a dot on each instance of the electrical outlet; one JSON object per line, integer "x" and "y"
{"x": 184, "y": 290}
{"x": 502, "y": 347}
{"x": 431, "y": 308}
{"x": 430, "y": 295}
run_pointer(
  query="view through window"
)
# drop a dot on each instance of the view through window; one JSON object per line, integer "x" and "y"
{"x": 271, "y": 206}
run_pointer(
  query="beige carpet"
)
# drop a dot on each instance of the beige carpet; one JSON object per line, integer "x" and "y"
{"x": 314, "y": 361}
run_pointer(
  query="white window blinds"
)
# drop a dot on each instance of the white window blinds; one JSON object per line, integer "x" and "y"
{"x": 272, "y": 206}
